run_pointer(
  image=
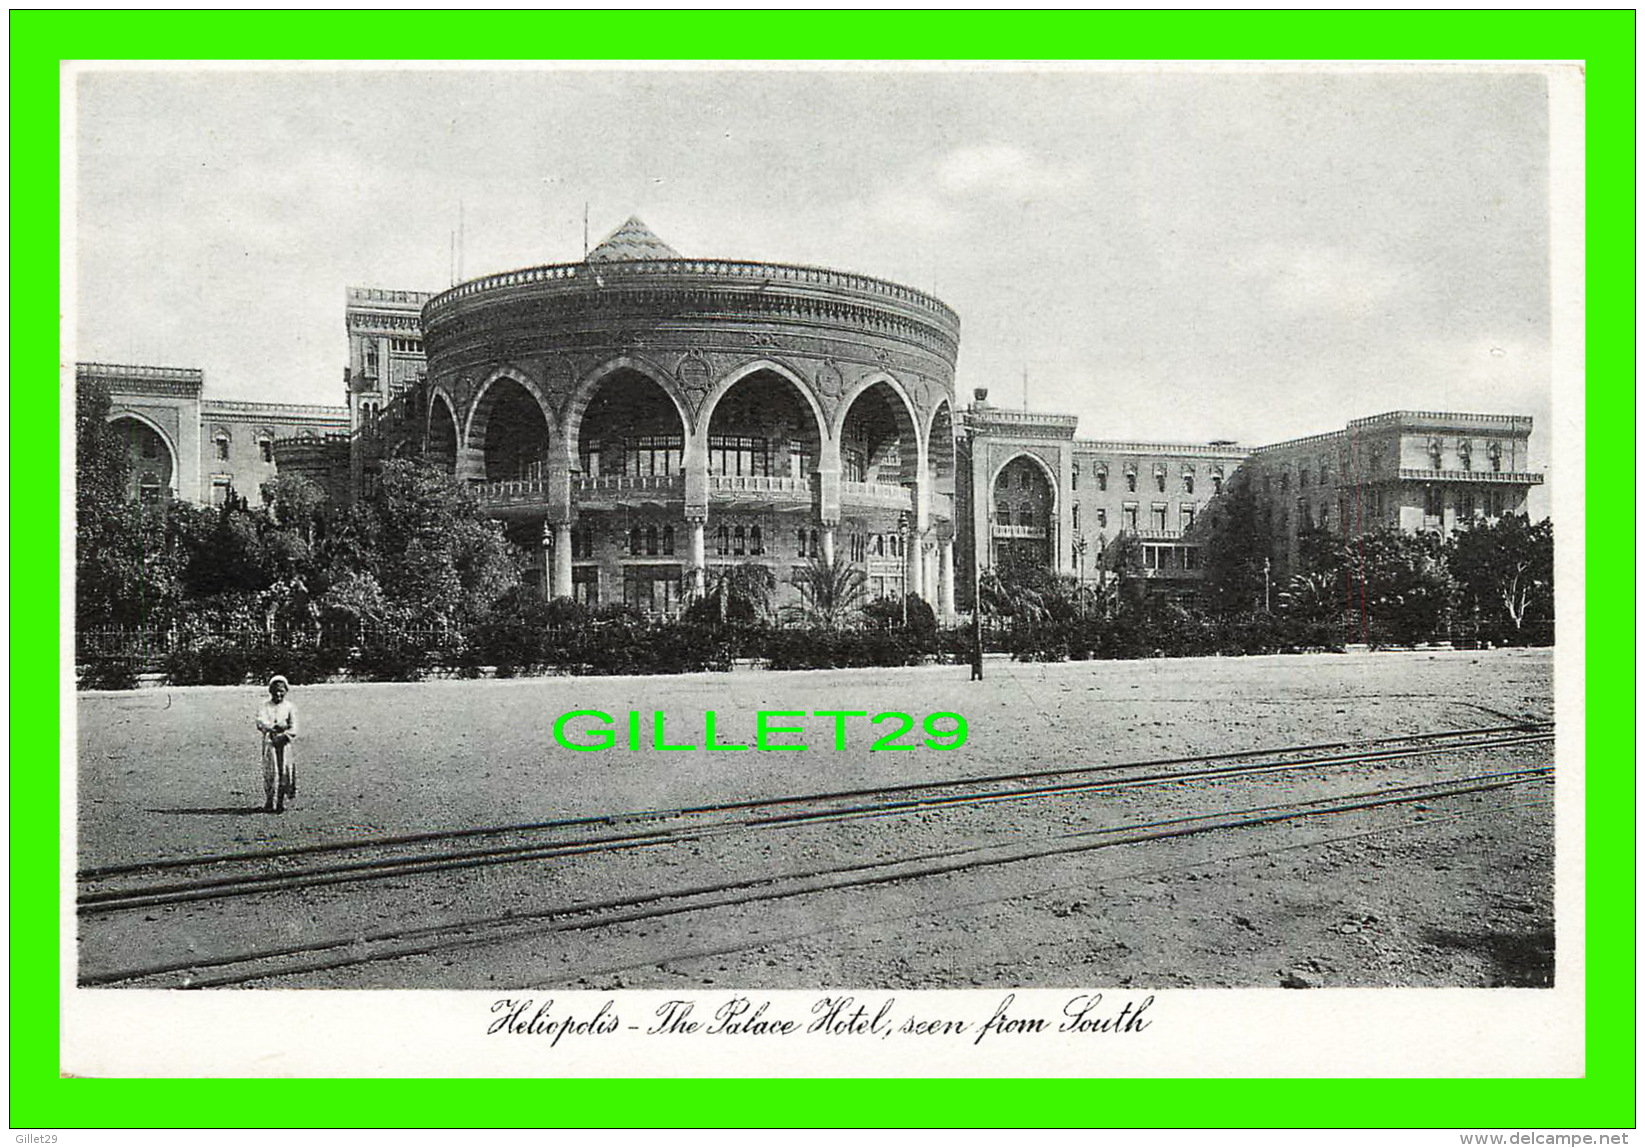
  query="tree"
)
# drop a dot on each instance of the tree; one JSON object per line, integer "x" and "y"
{"x": 428, "y": 547}
{"x": 1236, "y": 553}
{"x": 1400, "y": 584}
{"x": 1506, "y": 569}
{"x": 830, "y": 592}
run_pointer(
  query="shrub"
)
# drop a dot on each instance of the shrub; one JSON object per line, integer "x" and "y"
{"x": 212, "y": 663}
{"x": 110, "y": 674}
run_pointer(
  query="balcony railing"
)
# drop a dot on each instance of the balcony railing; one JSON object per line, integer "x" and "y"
{"x": 1016, "y": 531}
{"x": 1523, "y": 477}
{"x": 511, "y": 491}
{"x": 619, "y": 482}
{"x": 875, "y": 494}
{"x": 760, "y": 484}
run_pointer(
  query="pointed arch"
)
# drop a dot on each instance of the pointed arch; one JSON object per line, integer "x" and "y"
{"x": 589, "y": 386}
{"x": 705, "y": 416}
{"x": 485, "y": 398}
{"x": 1045, "y": 471}
{"x": 902, "y": 407}
{"x": 174, "y": 478}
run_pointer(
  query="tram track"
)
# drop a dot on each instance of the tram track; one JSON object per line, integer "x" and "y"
{"x": 112, "y": 889}
{"x": 397, "y": 943}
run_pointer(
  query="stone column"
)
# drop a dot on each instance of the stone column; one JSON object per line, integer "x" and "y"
{"x": 945, "y": 579}
{"x": 914, "y": 561}
{"x": 699, "y": 555}
{"x": 549, "y": 588}
{"x": 562, "y": 560}
{"x": 828, "y": 544}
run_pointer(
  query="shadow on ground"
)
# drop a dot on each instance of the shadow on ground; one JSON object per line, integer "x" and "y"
{"x": 1518, "y": 960}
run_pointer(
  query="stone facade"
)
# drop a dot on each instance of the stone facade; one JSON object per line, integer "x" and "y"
{"x": 181, "y": 444}
{"x": 639, "y": 419}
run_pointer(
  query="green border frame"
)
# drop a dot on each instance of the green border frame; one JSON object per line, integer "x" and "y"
{"x": 1603, "y": 1098}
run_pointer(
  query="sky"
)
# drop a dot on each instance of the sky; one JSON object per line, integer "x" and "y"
{"x": 1178, "y": 256}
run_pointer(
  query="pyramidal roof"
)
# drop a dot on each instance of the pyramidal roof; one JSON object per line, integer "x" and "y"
{"x": 633, "y": 240}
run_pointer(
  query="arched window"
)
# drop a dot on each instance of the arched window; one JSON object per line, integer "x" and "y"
{"x": 756, "y": 544}
{"x": 636, "y": 541}
{"x": 1102, "y": 478}
{"x": 722, "y": 540}
{"x": 265, "y": 446}
{"x": 651, "y": 540}
{"x": 738, "y": 539}
{"x": 1076, "y": 516}
{"x": 1216, "y": 482}
{"x": 1188, "y": 481}
{"x": 1159, "y": 479}
{"x": 668, "y": 540}
{"x": 1074, "y": 477}
{"x": 879, "y": 546}
{"x": 222, "y": 440}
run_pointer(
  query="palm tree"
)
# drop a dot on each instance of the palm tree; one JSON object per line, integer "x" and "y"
{"x": 736, "y": 595}
{"x": 830, "y": 592}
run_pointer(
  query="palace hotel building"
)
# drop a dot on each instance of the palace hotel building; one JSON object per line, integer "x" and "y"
{"x": 639, "y": 418}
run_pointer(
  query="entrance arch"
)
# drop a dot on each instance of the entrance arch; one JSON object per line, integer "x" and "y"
{"x": 151, "y": 460}
{"x": 510, "y": 430}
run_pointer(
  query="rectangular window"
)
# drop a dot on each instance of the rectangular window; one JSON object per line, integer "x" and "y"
{"x": 1102, "y": 518}
{"x": 738, "y": 455}
{"x": 1190, "y": 558}
{"x": 654, "y": 455}
{"x": 1435, "y": 503}
{"x": 1186, "y": 517}
{"x": 1158, "y": 517}
{"x": 800, "y": 460}
{"x": 1076, "y": 516}
{"x": 652, "y": 589}
{"x": 267, "y": 448}
{"x": 222, "y": 450}
{"x": 585, "y": 585}
{"x": 1130, "y": 482}
{"x": 1102, "y": 480}
{"x": 1128, "y": 517}
{"x": 220, "y": 488}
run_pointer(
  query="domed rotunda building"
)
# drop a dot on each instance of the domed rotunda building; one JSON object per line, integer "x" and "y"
{"x": 639, "y": 419}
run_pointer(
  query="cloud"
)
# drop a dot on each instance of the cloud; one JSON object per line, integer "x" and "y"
{"x": 1001, "y": 171}
{"x": 1324, "y": 280}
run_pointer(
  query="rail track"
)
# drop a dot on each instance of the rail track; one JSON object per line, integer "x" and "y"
{"x": 133, "y": 886}
{"x": 112, "y": 889}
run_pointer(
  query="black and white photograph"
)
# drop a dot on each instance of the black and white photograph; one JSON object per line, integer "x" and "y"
{"x": 945, "y": 554}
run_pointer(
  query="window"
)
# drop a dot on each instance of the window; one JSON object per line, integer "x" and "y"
{"x": 1025, "y": 516}
{"x": 148, "y": 489}
{"x": 1302, "y": 479}
{"x": 1186, "y": 517}
{"x": 654, "y": 455}
{"x": 755, "y": 545}
{"x": 590, "y": 460}
{"x": 878, "y": 546}
{"x": 1102, "y": 478}
{"x": 722, "y": 540}
{"x": 1102, "y": 518}
{"x": 1435, "y": 503}
{"x": 636, "y": 541}
{"x": 1465, "y": 504}
{"x": 369, "y": 361}
{"x": 1022, "y": 479}
{"x": 738, "y": 455}
{"x": 1002, "y": 513}
{"x": 585, "y": 585}
{"x": 1128, "y": 517}
{"x": 1076, "y": 516}
{"x": 800, "y": 460}
{"x": 266, "y": 447}
{"x": 651, "y": 541}
{"x": 222, "y": 446}
{"x": 652, "y": 589}
{"x": 1159, "y": 479}
{"x": 221, "y": 488}
{"x": 668, "y": 539}
{"x": 858, "y": 547}
{"x": 1216, "y": 483}
{"x": 1190, "y": 558}
{"x": 738, "y": 539}
{"x": 151, "y": 446}
{"x": 853, "y": 464}
{"x": 1074, "y": 477}
{"x": 1324, "y": 471}
{"x": 1130, "y": 482}
{"x": 1188, "y": 482}
{"x": 1157, "y": 518}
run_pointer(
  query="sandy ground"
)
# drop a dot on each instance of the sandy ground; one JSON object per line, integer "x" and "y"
{"x": 1459, "y": 893}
